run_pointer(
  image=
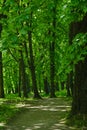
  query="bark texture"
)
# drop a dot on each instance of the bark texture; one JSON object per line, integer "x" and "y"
{"x": 79, "y": 104}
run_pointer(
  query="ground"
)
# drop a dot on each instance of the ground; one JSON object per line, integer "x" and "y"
{"x": 46, "y": 114}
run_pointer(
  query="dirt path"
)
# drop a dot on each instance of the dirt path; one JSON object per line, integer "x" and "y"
{"x": 47, "y": 114}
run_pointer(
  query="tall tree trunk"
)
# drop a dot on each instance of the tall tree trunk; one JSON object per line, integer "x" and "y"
{"x": 79, "y": 104}
{"x": 1, "y": 71}
{"x": 32, "y": 66}
{"x": 80, "y": 90}
{"x": 1, "y": 78}
{"x": 70, "y": 77}
{"x": 27, "y": 54}
{"x": 23, "y": 76}
{"x": 20, "y": 79}
{"x": 52, "y": 70}
{"x": 52, "y": 54}
{"x": 46, "y": 86}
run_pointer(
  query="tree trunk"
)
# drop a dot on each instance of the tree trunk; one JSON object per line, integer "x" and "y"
{"x": 69, "y": 84}
{"x": 62, "y": 85}
{"x": 52, "y": 54}
{"x": 23, "y": 76}
{"x": 1, "y": 71}
{"x": 46, "y": 86}
{"x": 80, "y": 90}
{"x": 52, "y": 70}
{"x": 20, "y": 79}
{"x": 79, "y": 104}
{"x": 32, "y": 66}
{"x": 1, "y": 78}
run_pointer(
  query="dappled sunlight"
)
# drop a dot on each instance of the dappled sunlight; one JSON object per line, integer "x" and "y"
{"x": 61, "y": 125}
{"x": 48, "y": 107}
{"x": 37, "y": 126}
{"x": 34, "y": 127}
{"x": 28, "y": 129}
{"x": 19, "y": 105}
{"x": 41, "y": 115}
{"x": 2, "y": 124}
{"x": 2, "y": 100}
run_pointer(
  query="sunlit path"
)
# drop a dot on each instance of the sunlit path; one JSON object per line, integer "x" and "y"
{"x": 47, "y": 114}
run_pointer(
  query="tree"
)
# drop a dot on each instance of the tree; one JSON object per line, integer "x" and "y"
{"x": 1, "y": 66}
{"x": 52, "y": 52}
{"x": 23, "y": 76}
{"x": 80, "y": 89}
{"x": 40, "y": 31}
{"x": 32, "y": 66}
{"x": 1, "y": 78}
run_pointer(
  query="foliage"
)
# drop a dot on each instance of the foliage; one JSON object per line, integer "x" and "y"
{"x": 20, "y": 18}
{"x": 79, "y": 121}
{"x": 75, "y": 53}
{"x": 7, "y": 111}
{"x": 14, "y": 37}
{"x": 80, "y": 48}
{"x": 61, "y": 93}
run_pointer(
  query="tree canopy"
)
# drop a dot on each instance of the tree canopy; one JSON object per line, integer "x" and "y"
{"x": 41, "y": 42}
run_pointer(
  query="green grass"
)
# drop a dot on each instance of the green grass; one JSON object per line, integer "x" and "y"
{"x": 7, "y": 111}
{"x": 78, "y": 121}
{"x": 61, "y": 93}
{"x": 8, "y": 107}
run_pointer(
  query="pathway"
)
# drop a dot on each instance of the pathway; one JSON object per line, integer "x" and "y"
{"x": 47, "y": 114}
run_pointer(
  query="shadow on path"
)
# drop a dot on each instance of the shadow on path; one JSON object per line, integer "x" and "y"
{"x": 47, "y": 114}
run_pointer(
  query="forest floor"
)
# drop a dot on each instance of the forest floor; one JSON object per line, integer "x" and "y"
{"x": 46, "y": 114}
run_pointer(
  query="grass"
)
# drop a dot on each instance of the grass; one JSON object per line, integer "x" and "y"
{"x": 61, "y": 93}
{"x": 8, "y": 107}
{"x": 79, "y": 121}
{"x": 6, "y": 112}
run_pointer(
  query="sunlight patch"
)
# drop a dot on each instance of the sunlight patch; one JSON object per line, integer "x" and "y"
{"x": 28, "y": 129}
{"x": 2, "y": 124}
{"x": 20, "y": 105}
{"x": 36, "y": 127}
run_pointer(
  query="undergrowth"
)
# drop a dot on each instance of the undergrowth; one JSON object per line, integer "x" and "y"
{"x": 79, "y": 121}
{"x": 7, "y": 111}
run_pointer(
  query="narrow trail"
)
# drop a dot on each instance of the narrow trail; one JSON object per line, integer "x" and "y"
{"x": 47, "y": 114}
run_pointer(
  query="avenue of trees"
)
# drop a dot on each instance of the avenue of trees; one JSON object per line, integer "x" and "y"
{"x": 43, "y": 48}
